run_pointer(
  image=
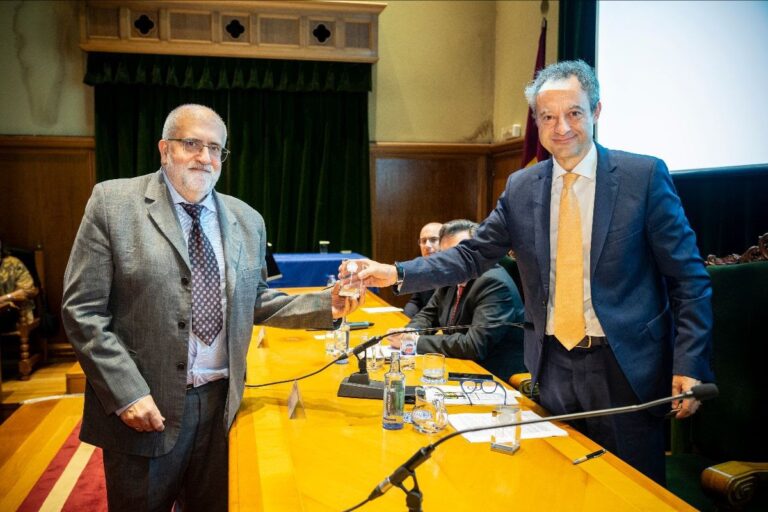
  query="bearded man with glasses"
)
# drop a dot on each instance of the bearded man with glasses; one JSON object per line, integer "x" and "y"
{"x": 164, "y": 284}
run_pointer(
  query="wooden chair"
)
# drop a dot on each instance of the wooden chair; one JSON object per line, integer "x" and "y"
{"x": 719, "y": 456}
{"x": 34, "y": 260}
{"x": 522, "y": 382}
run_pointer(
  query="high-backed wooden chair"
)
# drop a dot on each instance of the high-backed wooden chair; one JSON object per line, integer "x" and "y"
{"x": 720, "y": 455}
{"x": 34, "y": 260}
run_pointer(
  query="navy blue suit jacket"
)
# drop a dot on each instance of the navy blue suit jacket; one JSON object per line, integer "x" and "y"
{"x": 650, "y": 289}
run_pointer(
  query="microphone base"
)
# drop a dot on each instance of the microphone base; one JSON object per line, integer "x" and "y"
{"x": 359, "y": 385}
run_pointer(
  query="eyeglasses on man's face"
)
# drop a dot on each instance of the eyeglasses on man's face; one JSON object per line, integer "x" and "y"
{"x": 195, "y": 146}
{"x": 430, "y": 240}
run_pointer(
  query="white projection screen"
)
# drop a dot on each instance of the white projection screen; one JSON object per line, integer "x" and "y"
{"x": 685, "y": 81}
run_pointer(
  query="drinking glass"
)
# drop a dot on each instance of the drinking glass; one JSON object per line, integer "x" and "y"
{"x": 429, "y": 415}
{"x": 433, "y": 369}
{"x": 351, "y": 285}
{"x": 374, "y": 356}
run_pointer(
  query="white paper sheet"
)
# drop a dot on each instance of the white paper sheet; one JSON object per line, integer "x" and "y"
{"x": 382, "y": 309}
{"x": 535, "y": 431}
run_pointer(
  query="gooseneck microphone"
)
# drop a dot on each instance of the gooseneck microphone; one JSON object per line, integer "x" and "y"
{"x": 699, "y": 392}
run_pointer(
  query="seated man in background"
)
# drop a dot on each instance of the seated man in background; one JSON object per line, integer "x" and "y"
{"x": 17, "y": 289}
{"x": 429, "y": 243}
{"x": 489, "y": 303}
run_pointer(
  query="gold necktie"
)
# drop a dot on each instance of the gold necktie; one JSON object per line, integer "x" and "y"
{"x": 569, "y": 269}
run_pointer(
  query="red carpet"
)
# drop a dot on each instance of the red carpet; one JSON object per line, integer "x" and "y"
{"x": 73, "y": 481}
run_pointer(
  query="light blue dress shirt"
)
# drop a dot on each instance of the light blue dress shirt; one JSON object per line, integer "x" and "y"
{"x": 206, "y": 363}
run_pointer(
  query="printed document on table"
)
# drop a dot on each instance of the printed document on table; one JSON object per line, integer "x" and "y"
{"x": 535, "y": 431}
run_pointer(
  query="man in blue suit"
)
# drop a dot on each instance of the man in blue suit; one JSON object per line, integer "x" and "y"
{"x": 615, "y": 289}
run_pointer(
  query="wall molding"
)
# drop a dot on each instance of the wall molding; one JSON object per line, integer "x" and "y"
{"x": 46, "y": 141}
{"x": 295, "y": 30}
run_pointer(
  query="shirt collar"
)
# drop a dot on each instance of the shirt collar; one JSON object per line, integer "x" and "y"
{"x": 587, "y": 168}
{"x": 176, "y": 198}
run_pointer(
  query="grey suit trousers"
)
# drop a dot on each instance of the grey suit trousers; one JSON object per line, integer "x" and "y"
{"x": 193, "y": 474}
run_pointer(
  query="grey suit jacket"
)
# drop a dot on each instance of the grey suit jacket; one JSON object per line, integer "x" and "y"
{"x": 128, "y": 303}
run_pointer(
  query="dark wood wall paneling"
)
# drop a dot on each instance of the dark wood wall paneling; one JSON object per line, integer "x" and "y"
{"x": 416, "y": 183}
{"x": 45, "y": 183}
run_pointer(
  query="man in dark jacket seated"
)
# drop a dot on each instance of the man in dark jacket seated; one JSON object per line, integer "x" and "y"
{"x": 489, "y": 303}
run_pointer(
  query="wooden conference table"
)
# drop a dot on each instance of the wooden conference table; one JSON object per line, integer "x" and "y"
{"x": 333, "y": 456}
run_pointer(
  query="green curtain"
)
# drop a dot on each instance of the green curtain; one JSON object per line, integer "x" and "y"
{"x": 727, "y": 208}
{"x": 577, "y": 30}
{"x": 298, "y": 132}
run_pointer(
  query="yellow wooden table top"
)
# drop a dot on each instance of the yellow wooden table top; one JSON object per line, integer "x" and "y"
{"x": 333, "y": 457}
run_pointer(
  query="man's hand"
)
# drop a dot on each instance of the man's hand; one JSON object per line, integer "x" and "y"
{"x": 681, "y": 384}
{"x": 373, "y": 273}
{"x": 342, "y": 306}
{"x": 144, "y": 416}
{"x": 395, "y": 341}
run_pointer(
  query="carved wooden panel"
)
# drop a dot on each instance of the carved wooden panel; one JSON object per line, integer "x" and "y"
{"x": 320, "y": 30}
{"x": 45, "y": 183}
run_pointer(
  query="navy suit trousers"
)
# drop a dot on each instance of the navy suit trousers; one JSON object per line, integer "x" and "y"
{"x": 590, "y": 379}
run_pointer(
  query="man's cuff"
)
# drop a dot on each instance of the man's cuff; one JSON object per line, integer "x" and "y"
{"x": 123, "y": 409}
{"x": 400, "y": 277}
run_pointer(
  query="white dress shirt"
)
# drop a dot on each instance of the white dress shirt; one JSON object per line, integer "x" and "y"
{"x": 584, "y": 191}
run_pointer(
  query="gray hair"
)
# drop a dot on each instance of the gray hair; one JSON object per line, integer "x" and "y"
{"x": 195, "y": 111}
{"x": 562, "y": 71}
{"x": 453, "y": 227}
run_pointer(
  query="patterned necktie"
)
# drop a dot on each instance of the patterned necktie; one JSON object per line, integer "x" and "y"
{"x": 207, "y": 318}
{"x": 455, "y": 309}
{"x": 569, "y": 269}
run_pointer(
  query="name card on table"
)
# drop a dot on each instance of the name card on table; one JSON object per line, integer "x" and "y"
{"x": 260, "y": 337}
{"x": 295, "y": 404}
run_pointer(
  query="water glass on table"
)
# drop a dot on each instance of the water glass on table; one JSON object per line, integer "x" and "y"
{"x": 506, "y": 439}
{"x": 433, "y": 369}
{"x": 341, "y": 338}
{"x": 374, "y": 355}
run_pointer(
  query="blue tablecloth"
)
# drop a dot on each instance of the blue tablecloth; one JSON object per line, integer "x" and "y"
{"x": 308, "y": 269}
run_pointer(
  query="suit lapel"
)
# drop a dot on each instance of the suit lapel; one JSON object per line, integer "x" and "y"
{"x": 161, "y": 212}
{"x": 606, "y": 190}
{"x": 233, "y": 240}
{"x": 542, "y": 191}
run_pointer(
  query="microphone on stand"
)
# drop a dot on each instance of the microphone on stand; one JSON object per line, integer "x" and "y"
{"x": 359, "y": 385}
{"x": 699, "y": 392}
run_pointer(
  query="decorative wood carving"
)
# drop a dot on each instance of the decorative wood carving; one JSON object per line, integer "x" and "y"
{"x": 757, "y": 252}
{"x": 733, "y": 483}
{"x": 318, "y": 30}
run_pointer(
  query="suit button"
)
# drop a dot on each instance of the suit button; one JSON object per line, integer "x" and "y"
{"x": 180, "y": 366}
{"x": 182, "y": 325}
{"x": 185, "y": 281}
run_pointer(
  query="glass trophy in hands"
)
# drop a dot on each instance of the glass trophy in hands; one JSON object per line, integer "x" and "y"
{"x": 351, "y": 285}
